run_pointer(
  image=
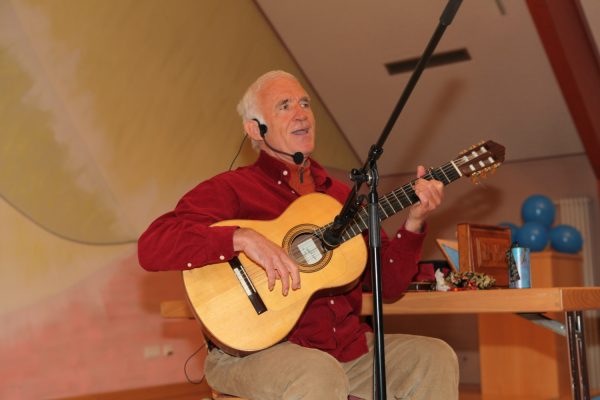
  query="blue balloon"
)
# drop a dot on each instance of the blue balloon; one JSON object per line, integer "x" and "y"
{"x": 513, "y": 229}
{"x": 566, "y": 239}
{"x": 533, "y": 235}
{"x": 538, "y": 208}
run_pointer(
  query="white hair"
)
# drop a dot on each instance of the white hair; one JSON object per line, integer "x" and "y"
{"x": 248, "y": 107}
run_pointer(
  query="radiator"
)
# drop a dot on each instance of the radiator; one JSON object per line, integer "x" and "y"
{"x": 577, "y": 212}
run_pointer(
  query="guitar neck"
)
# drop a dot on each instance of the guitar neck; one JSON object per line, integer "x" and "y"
{"x": 399, "y": 199}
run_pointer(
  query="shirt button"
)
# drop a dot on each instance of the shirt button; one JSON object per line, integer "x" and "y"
{"x": 333, "y": 330}
{"x": 399, "y": 235}
{"x": 189, "y": 265}
{"x": 331, "y": 301}
{"x": 293, "y": 192}
{"x": 221, "y": 258}
{"x": 285, "y": 173}
{"x": 279, "y": 182}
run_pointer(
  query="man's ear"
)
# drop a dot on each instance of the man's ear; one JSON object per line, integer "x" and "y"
{"x": 251, "y": 128}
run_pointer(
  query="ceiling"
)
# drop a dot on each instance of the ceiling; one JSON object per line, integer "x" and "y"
{"x": 506, "y": 92}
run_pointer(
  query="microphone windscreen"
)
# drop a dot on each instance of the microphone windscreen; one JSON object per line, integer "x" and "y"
{"x": 298, "y": 158}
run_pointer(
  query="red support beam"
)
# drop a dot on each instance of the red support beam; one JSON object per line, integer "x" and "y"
{"x": 571, "y": 52}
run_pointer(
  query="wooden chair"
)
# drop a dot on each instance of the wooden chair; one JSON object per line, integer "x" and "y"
{"x": 216, "y": 395}
{"x": 220, "y": 396}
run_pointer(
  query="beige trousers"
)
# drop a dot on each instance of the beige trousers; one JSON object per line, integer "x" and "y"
{"x": 416, "y": 368}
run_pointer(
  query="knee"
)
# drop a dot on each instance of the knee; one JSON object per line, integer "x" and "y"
{"x": 429, "y": 370}
{"x": 319, "y": 376}
{"x": 446, "y": 355}
{"x": 439, "y": 353}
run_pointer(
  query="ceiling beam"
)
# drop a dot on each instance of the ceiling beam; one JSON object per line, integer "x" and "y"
{"x": 571, "y": 52}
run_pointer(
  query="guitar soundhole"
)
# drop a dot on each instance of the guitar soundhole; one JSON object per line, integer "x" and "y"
{"x": 306, "y": 249}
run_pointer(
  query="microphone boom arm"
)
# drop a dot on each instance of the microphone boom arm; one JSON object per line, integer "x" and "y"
{"x": 368, "y": 173}
{"x": 332, "y": 235}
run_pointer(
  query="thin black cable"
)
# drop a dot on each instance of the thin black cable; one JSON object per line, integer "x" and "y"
{"x": 238, "y": 152}
{"x": 186, "y": 364}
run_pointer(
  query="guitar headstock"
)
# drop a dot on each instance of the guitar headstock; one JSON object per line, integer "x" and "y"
{"x": 480, "y": 159}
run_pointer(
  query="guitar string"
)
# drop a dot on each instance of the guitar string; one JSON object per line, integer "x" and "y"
{"x": 448, "y": 170}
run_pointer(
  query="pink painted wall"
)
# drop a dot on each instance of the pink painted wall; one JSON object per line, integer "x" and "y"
{"x": 93, "y": 337}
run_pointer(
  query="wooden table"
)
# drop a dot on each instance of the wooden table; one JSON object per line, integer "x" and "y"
{"x": 569, "y": 300}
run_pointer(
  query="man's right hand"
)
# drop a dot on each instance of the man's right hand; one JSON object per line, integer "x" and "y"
{"x": 276, "y": 263}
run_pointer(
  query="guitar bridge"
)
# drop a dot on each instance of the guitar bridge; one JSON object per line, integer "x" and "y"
{"x": 246, "y": 284}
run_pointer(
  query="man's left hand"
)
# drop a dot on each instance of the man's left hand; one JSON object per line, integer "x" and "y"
{"x": 430, "y": 194}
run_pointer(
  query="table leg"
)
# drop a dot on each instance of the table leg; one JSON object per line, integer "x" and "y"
{"x": 579, "y": 374}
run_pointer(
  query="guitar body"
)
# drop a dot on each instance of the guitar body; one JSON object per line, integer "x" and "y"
{"x": 221, "y": 303}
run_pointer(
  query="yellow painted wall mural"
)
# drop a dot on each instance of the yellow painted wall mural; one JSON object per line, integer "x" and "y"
{"x": 109, "y": 111}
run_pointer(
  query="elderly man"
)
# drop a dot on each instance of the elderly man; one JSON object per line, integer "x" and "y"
{"x": 328, "y": 353}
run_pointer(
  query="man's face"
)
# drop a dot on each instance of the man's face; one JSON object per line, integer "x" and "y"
{"x": 287, "y": 112}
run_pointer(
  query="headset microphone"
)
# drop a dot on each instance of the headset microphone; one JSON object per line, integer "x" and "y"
{"x": 297, "y": 156}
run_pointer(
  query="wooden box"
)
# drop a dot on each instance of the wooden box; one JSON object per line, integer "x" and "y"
{"x": 482, "y": 248}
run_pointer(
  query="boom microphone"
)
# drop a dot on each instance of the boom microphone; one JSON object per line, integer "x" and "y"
{"x": 297, "y": 156}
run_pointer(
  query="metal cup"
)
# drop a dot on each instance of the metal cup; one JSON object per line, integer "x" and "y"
{"x": 522, "y": 262}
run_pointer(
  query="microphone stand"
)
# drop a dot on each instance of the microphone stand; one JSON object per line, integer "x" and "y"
{"x": 368, "y": 173}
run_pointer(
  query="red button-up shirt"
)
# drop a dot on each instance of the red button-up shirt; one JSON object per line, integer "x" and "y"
{"x": 183, "y": 238}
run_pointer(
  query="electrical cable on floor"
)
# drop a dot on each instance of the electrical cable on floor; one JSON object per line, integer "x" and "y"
{"x": 186, "y": 364}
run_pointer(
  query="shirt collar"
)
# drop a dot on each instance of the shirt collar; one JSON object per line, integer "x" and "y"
{"x": 280, "y": 170}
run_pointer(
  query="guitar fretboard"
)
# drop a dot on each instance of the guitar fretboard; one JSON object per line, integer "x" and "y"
{"x": 397, "y": 200}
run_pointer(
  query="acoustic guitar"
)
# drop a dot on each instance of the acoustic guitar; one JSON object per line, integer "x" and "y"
{"x": 231, "y": 299}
